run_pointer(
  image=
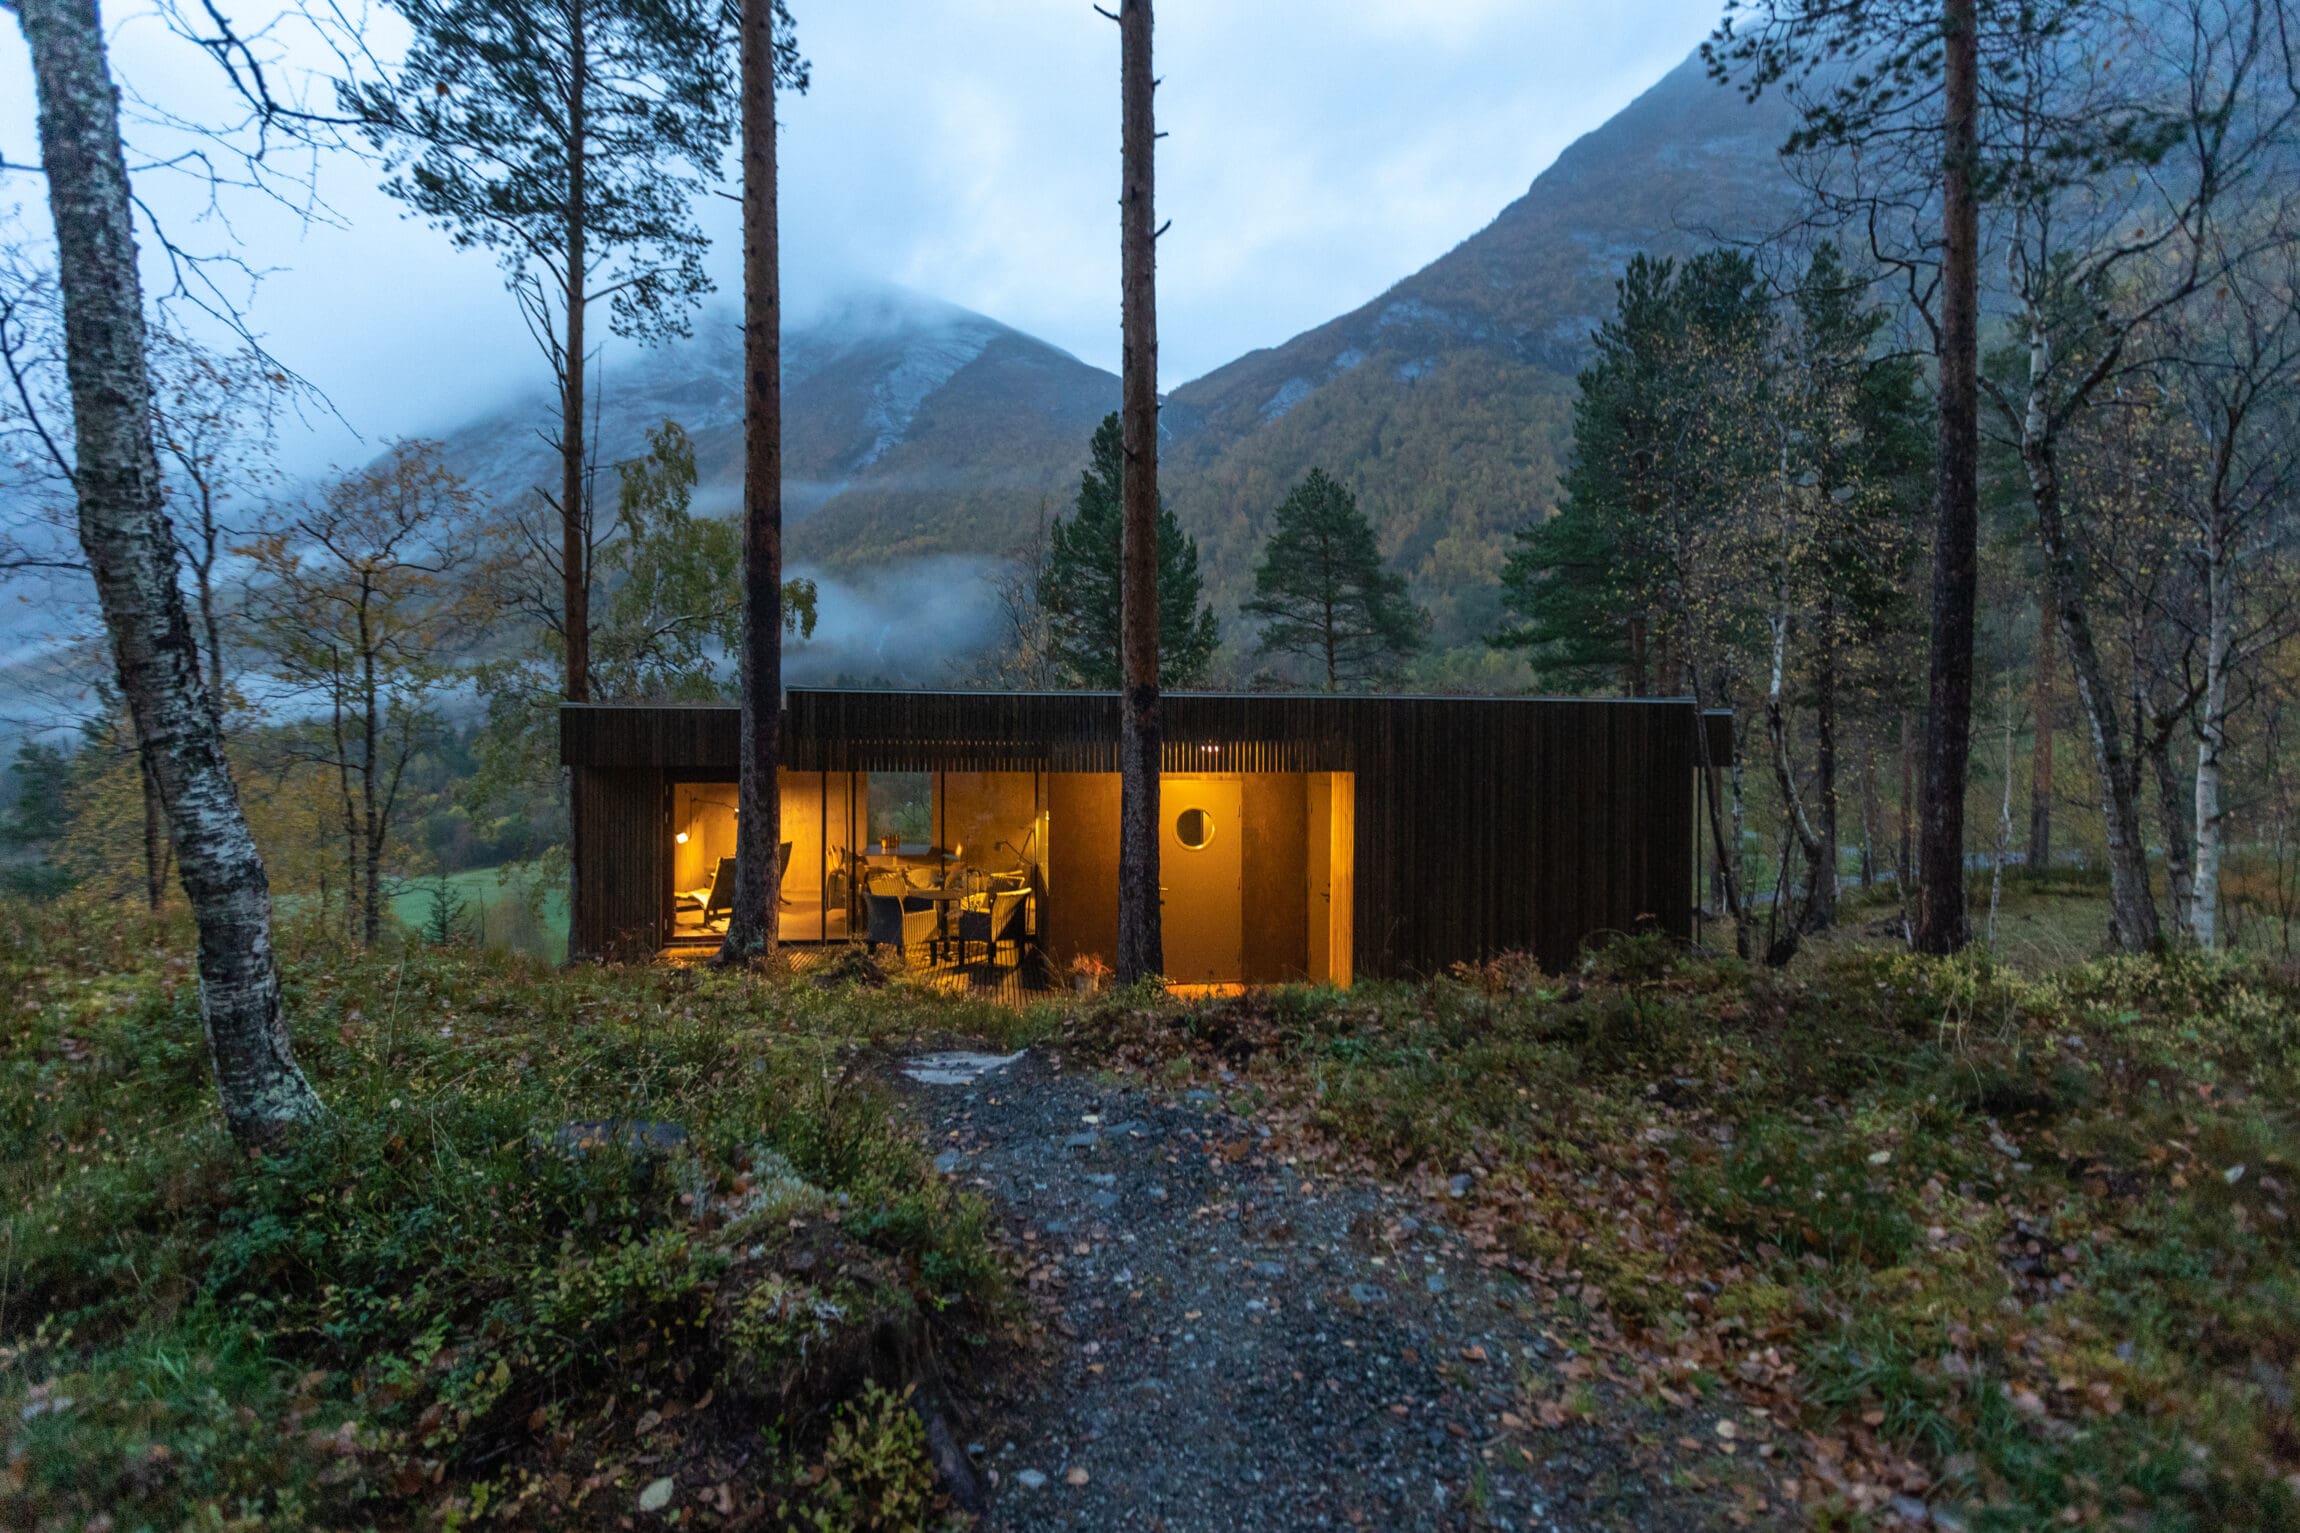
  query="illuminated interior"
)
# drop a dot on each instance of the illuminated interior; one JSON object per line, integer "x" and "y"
{"x": 945, "y": 840}
{"x": 1256, "y": 867}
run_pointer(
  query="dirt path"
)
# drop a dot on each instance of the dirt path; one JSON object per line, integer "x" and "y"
{"x": 1230, "y": 1346}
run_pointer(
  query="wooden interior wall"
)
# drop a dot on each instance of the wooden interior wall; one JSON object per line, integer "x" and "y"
{"x": 1342, "y": 887}
{"x": 1276, "y": 908}
{"x": 1081, "y": 866}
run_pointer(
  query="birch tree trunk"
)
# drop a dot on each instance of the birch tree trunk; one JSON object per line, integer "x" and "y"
{"x": 1141, "y": 943}
{"x": 2040, "y": 752}
{"x": 2212, "y": 739}
{"x": 1941, "y": 925}
{"x": 2132, "y": 907}
{"x": 2172, "y": 813}
{"x": 1821, "y": 905}
{"x": 131, "y": 555}
{"x": 752, "y": 924}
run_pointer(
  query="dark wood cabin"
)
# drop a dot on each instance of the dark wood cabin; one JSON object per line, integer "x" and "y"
{"x": 1305, "y": 837}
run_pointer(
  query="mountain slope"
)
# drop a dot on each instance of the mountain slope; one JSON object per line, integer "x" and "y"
{"x": 1446, "y": 402}
{"x": 914, "y": 429}
{"x": 910, "y": 427}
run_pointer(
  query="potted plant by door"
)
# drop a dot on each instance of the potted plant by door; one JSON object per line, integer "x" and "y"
{"x": 1088, "y": 974}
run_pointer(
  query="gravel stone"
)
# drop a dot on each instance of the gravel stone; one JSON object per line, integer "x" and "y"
{"x": 1331, "y": 1394}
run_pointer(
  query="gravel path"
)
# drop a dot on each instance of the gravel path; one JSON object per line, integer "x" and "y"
{"x": 1229, "y": 1346}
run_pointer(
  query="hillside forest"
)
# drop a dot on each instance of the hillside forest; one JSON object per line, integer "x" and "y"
{"x": 1961, "y": 468}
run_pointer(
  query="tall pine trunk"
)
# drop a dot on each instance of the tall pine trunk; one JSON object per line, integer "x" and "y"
{"x": 1941, "y": 925}
{"x": 2040, "y": 752}
{"x": 1141, "y": 946}
{"x": 131, "y": 555}
{"x": 574, "y": 536}
{"x": 752, "y": 924}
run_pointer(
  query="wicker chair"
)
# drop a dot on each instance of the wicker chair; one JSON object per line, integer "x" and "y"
{"x": 892, "y": 918}
{"x": 1000, "y": 921}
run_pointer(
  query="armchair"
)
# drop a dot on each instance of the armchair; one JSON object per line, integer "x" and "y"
{"x": 999, "y": 921}
{"x": 891, "y": 918}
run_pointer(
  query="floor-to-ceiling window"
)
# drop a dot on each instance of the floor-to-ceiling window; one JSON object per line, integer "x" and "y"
{"x": 817, "y": 852}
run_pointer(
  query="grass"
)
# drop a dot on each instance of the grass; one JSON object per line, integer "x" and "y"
{"x": 493, "y": 909}
{"x": 2012, "y": 1238}
{"x": 2019, "y": 1246}
{"x": 441, "y": 1302}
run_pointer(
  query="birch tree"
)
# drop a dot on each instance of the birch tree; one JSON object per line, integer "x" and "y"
{"x": 2188, "y": 105}
{"x": 2235, "y": 368}
{"x": 359, "y": 595}
{"x": 124, "y": 534}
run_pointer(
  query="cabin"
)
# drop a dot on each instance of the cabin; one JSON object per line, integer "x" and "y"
{"x": 1303, "y": 837}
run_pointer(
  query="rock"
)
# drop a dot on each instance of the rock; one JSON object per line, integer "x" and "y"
{"x": 1103, "y": 1200}
{"x": 657, "y": 1495}
{"x": 1085, "y": 1141}
{"x": 1270, "y": 1269}
{"x": 1075, "y": 1475}
{"x": 648, "y": 1138}
{"x": 1435, "y": 1282}
{"x": 957, "y": 1067}
{"x": 1030, "y": 1479}
{"x": 948, "y": 1161}
{"x": 1102, "y": 1178}
{"x": 1198, "y": 1096}
{"x": 1366, "y": 1293}
{"x": 1155, "y": 1194}
{"x": 1459, "y": 1186}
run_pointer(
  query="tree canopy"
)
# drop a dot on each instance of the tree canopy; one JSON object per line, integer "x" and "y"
{"x": 1320, "y": 589}
{"x": 1079, "y": 586}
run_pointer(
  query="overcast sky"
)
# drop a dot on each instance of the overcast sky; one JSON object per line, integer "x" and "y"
{"x": 1319, "y": 150}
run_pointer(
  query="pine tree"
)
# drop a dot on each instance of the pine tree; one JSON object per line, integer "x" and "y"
{"x": 1080, "y": 585}
{"x": 1595, "y": 594}
{"x": 1320, "y": 589}
{"x": 574, "y": 139}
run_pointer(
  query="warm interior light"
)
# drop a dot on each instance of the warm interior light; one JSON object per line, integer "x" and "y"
{"x": 681, "y": 838}
{"x": 1209, "y": 749}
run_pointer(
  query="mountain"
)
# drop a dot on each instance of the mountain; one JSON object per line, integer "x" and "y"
{"x": 918, "y": 431}
{"x": 910, "y": 428}
{"x": 1446, "y": 402}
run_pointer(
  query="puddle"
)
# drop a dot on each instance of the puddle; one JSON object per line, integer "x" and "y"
{"x": 956, "y": 1069}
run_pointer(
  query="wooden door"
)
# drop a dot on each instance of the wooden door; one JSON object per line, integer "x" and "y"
{"x": 1201, "y": 861}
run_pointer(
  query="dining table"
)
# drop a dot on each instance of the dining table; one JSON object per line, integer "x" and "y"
{"x": 944, "y": 896}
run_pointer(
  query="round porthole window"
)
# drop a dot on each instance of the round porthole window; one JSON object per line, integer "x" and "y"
{"x": 1194, "y": 828}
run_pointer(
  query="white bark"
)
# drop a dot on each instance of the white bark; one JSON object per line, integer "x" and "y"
{"x": 2212, "y": 739}
{"x": 131, "y": 555}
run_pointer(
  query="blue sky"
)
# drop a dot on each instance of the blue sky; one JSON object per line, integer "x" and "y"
{"x": 1318, "y": 151}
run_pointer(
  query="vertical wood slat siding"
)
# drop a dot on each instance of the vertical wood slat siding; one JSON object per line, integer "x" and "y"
{"x": 621, "y": 863}
{"x": 1482, "y": 824}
